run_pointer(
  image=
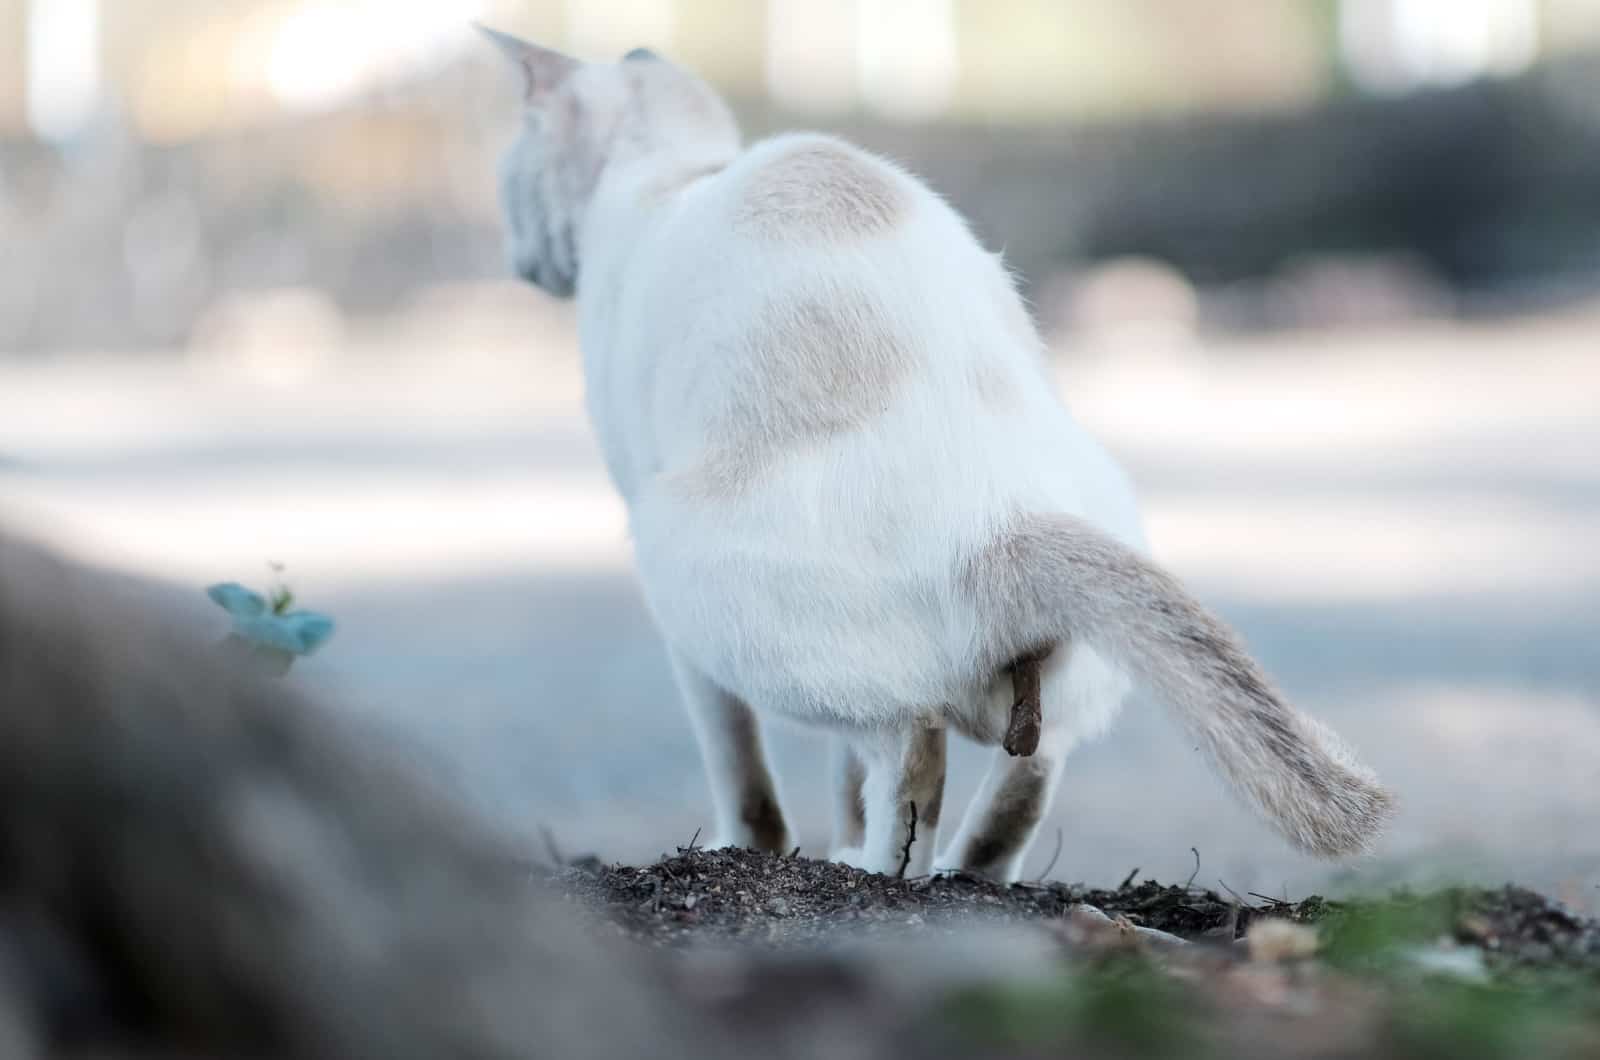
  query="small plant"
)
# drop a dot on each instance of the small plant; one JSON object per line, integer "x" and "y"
{"x": 266, "y": 632}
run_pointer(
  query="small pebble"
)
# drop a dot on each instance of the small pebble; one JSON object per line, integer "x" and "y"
{"x": 1274, "y": 939}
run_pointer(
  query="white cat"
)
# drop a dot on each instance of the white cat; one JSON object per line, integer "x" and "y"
{"x": 855, "y": 499}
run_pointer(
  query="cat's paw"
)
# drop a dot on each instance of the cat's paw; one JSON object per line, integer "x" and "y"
{"x": 855, "y": 857}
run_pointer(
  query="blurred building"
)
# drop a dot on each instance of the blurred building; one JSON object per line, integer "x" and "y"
{"x": 160, "y": 158}
{"x": 184, "y": 68}
{"x": 1396, "y": 45}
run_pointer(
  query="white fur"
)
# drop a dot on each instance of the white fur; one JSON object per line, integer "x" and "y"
{"x": 818, "y": 419}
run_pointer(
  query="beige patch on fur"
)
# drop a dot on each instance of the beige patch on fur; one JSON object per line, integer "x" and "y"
{"x": 820, "y": 191}
{"x": 724, "y": 475}
{"x": 811, "y": 369}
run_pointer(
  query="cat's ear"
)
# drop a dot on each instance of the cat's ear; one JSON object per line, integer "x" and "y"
{"x": 542, "y": 68}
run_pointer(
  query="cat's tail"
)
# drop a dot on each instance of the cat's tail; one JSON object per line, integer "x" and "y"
{"x": 1055, "y": 580}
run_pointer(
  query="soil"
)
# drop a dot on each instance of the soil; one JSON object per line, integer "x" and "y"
{"x": 732, "y": 895}
{"x": 1501, "y": 974}
{"x": 722, "y": 895}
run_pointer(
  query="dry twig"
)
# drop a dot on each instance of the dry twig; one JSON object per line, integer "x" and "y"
{"x": 1237, "y": 897}
{"x": 1274, "y": 902}
{"x": 911, "y": 837}
{"x": 1052, "y": 863}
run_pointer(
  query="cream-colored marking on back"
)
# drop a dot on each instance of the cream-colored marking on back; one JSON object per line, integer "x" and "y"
{"x": 819, "y": 189}
{"x": 853, "y": 496}
{"x": 811, "y": 368}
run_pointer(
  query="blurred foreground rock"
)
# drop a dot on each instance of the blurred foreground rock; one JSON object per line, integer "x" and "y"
{"x": 192, "y": 863}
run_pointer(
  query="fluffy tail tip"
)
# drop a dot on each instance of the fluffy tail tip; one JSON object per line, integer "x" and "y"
{"x": 1353, "y": 825}
{"x": 1347, "y": 809}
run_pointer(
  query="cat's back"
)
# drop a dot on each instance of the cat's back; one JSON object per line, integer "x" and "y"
{"x": 814, "y": 302}
{"x": 806, "y": 234}
{"x": 809, "y": 190}
{"x": 813, "y": 200}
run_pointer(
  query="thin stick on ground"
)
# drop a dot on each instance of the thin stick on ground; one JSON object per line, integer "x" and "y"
{"x": 1190, "y": 881}
{"x": 1274, "y": 902}
{"x": 1052, "y": 862}
{"x": 911, "y": 837}
{"x": 692, "y": 841}
{"x": 1237, "y": 897}
{"x": 1126, "y": 882}
{"x": 1231, "y": 931}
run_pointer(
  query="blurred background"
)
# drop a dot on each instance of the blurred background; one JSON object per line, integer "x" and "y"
{"x": 1324, "y": 273}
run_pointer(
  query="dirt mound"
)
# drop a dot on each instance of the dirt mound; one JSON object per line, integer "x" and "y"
{"x": 727, "y": 895}
{"x": 1139, "y": 970}
{"x": 745, "y": 894}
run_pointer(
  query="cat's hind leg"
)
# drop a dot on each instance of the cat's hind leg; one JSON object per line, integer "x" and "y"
{"x": 1003, "y": 818}
{"x": 1081, "y": 695}
{"x": 902, "y": 794}
{"x": 743, "y": 795}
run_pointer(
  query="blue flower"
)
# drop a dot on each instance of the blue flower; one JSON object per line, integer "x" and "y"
{"x": 268, "y": 629}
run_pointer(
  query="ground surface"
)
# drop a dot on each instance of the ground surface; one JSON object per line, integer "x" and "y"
{"x": 808, "y": 961}
{"x": 719, "y": 895}
{"x": 1401, "y": 522}
{"x": 707, "y": 896}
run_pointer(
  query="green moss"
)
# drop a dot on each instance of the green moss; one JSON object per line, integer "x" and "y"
{"x": 1370, "y": 934}
{"x": 1121, "y": 1004}
{"x": 1472, "y": 1022}
{"x": 1019, "y": 1015}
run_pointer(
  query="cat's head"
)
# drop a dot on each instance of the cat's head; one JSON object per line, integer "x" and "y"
{"x": 582, "y": 120}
